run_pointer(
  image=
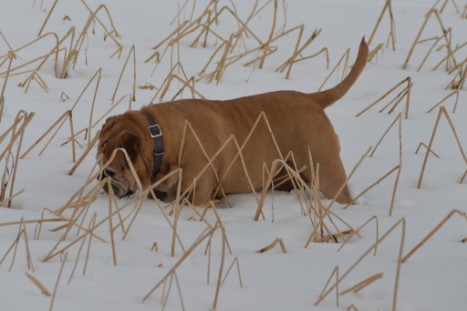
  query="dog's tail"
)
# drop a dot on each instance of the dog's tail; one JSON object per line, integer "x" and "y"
{"x": 330, "y": 96}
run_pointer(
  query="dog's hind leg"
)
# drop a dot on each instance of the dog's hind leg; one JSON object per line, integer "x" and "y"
{"x": 332, "y": 178}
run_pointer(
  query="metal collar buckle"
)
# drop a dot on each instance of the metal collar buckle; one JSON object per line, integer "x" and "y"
{"x": 155, "y": 130}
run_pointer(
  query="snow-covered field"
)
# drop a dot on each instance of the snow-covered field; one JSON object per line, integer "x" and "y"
{"x": 97, "y": 270}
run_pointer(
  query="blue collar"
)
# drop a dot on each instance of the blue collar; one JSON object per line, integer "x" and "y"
{"x": 156, "y": 135}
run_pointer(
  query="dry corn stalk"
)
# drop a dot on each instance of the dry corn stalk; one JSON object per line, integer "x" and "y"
{"x": 298, "y": 50}
{"x": 405, "y": 93}
{"x": 433, "y": 232}
{"x": 455, "y": 92}
{"x": 22, "y": 232}
{"x": 442, "y": 111}
{"x": 11, "y": 57}
{"x": 132, "y": 52}
{"x": 328, "y": 289}
{"x": 443, "y": 6}
{"x": 444, "y": 35}
{"x": 41, "y": 59}
{"x": 34, "y": 76}
{"x": 39, "y": 285}
{"x": 346, "y": 62}
{"x": 386, "y": 8}
{"x": 57, "y": 125}
{"x": 457, "y": 83}
{"x": 9, "y": 157}
{"x": 204, "y": 235}
{"x": 361, "y": 285}
{"x": 272, "y": 245}
{"x": 72, "y": 53}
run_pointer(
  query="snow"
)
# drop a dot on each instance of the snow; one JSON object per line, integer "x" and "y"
{"x": 433, "y": 278}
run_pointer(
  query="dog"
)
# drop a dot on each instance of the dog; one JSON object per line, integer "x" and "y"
{"x": 226, "y": 145}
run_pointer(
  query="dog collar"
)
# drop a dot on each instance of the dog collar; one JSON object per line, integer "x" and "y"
{"x": 156, "y": 135}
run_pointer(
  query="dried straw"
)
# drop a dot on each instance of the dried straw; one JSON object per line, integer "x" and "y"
{"x": 90, "y": 229}
{"x": 34, "y": 76}
{"x": 26, "y": 243}
{"x": 373, "y": 53}
{"x": 205, "y": 234}
{"x": 399, "y": 171}
{"x": 386, "y": 8}
{"x": 436, "y": 41}
{"x": 84, "y": 155}
{"x": 327, "y": 290}
{"x": 463, "y": 177}
{"x": 399, "y": 167}
{"x": 224, "y": 243}
{"x": 16, "y": 163}
{"x": 377, "y": 182}
{"x": 356, "y": 232}
{"x": 165, "y": 295}
{"x": 11, "y": 56}
{"x": 16, "y": 130}
{"x": 432, "y": 232}
{"x": 35, "y": 281}
{"x": 235, "y": 261}
{"x": 344, "y": 56}
{"x": 298, "y": 50}
{"x": 442, "y": 111}
{"x": 14, "y": 246}
{"x": 111, "y": 231}
{"x": 361, "y": 285}
{"x": 400, "y": 223}
{"x": 271, "y": 34}
{"x": 397, "y": 118}
{"x": 426, "y": 147}
{"x": 443, "y": 6}
{"x": 108, "y": 33}
{"x": 54, "y": 293}
{"x": 57, "y": 125}
{"x": 273, "y": 245}
{"x": 457, "y": 83}
{"x": 43, "y": 58}
{"x": 54, "y": 252}
{"x": 455, "y": 92}
{"x": 405, "y": 93}
{"x": 187, "y": 82}
{"x": 47, "y": 18}
{"x": 132, "y": 52}
{"x": 444, "y": 32}
{"x": 334, "y": 237}
{"x": 81, "y": 38}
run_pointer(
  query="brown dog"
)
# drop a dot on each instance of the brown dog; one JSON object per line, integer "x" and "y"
{"x": 198, "y": 138}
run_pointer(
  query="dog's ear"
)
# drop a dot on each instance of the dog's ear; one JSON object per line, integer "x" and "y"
{"x": 131, "y": 143}
{"x": 108, "y": 124}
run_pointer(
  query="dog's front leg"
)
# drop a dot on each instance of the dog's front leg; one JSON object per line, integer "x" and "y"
{"x": 202, "y": 194}
{"x": 203, "y": 189}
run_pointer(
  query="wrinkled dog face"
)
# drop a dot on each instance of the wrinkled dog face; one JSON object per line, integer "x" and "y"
{"x": 117, "y": 135}
{"x": 120, "y": 186}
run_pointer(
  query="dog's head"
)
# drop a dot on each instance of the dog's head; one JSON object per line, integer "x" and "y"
{"x": 124, "y": 150}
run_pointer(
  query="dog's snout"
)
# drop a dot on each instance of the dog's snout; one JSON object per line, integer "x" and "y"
{"x": 118, "y": 188}
{"x": 117, "y": 191}
{"x": 108, "y": 173}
